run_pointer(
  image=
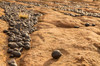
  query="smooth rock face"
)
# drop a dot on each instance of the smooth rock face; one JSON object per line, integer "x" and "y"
{"x": 56, "y": 54}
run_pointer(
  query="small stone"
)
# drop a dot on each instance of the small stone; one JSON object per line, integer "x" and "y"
{"x": 29, "y": 7}
{"x": 18, "y": 39}
{"x": 27, "y": 47}
{"x": 9, "y": 33}
{"x": 87, "y": 24}
{"x": 35, "y": 19}
{"x": 12, "y": 62}
{"x": 26, "y": 40}
{"x": 16, "y": 49}
{"x": 16, "y": 31}
{"x": 35, "y": 22}
{"x": 11, "y": 39}
{"x": 11, "y": 56}
{"x": 56, "y": 54}
{"x": 5, "y": 31}
{"x": 12, "y": 45}
{"x": 18, "y": 26}
{"x": 16, "y": 53}
{"x": 25, "y": 34}
{"x": 76, "y": 26}
{"x": 20, "y": 44}
{"x": 27, "y": 37}
{"x": 36, "y": 14}
{"x": 93, "y": 24}
{"x": 32, "y": 30}
{"x": 9, "y": 50}
{"x": 27, "y": 43}
{"x": 12, "y": 25}
{"x": 11, "y": 28}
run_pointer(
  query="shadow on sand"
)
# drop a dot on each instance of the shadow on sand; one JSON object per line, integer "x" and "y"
{"x": 49, "y": 62}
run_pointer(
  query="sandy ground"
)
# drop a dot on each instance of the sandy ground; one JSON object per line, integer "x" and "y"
{"x": 79, "y": 46}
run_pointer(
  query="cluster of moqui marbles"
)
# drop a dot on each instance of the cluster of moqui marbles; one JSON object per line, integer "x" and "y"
{"x": 19, "y": 27}
{"x": 75, "y": 7}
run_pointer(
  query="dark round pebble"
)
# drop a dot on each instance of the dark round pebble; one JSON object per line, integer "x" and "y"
{"x": 12, "y": 25}
{"x": 12, "y": 45}
{"x": 36, "y": 14}
{"x": 17, "y": 26}
{"x": 16, "y": 53}
{"x": 9, "y": 50}
{"x": 5, "y": 31}
{"x": 25, "y": 35}
{"x": 35, "y": 19}
{"x": 16, "y": 31}
{"x": 11, "y": 56}
{"x": 28, "y": 36}
{"x": 11, "y": 39}
{"x": 29, "y": 7}
{"x": 35, "y": 22}
{"x": 87, "y": 24}
{"x": 26, "y": 40}
{"x": 27, "y": 43}
{"x": 32, "y": 30}
{"x": 12, "y": 36}
{"x": 19, "y": 39}
{"x": 13, "y": 64}
{"x": 9, "y": 33}
{"x": 27, "y": 47}
{"x": 56, "y": 54}
{"x": 76, "y": 26}
{"x": 20, "y": 44}
{"x": 11, "y": 28}
{"x": 93, "y": 24}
